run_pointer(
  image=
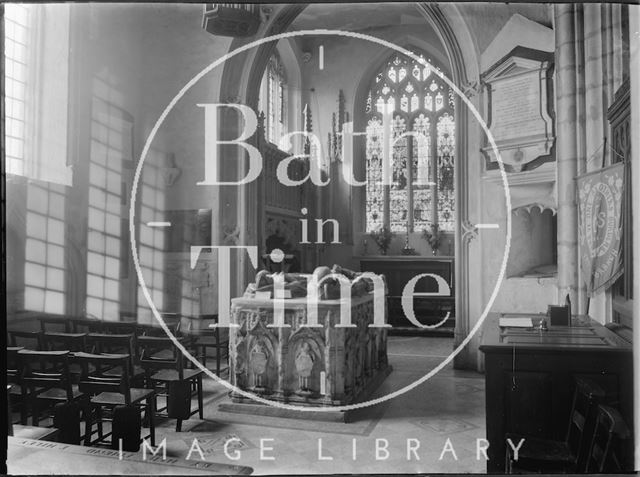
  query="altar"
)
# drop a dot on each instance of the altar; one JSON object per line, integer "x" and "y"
{"x": 326, "y": 365}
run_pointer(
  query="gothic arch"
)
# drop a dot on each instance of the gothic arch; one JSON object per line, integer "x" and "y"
{"x": 241, "y": 81}
{"x": 409, "y": 42}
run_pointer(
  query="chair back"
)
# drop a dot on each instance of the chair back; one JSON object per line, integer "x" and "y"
{"x": 155, "y": 352}
{"x": 26, "y": 339}
{"x": 14, "y": 367}
{"x": 54, "y": 323}
{"x": 119, "y": 327}
{"x": 63, "y": 341}
{"x": 172, "y": 322}
{"x": 605, "y": 447}
{"x": 93, "y": 379}
{"x": 586, "y": 398}
{"x": 103, "y": 343}
{"x": 46, "y": 369}
{"x": 85, "y": 325}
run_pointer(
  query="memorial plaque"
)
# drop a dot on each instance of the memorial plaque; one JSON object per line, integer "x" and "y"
{"x": 518, "y": 111}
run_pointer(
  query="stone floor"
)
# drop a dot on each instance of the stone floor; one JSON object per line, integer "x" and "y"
{"x": 449, "y": 405}
{"x": 433, "y": 428}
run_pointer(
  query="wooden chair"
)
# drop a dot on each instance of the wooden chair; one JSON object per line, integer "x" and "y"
{"x": 16, "y": 391}
{"x": 47, "y": 377}
{"x": 108, "y": 391}
{"x": 25, "y": 339}
{"x": 164, "y": 366}
{"x": 102, "y": 343}
{"x": 154, "y": 329}
{"x": 85, "y": 325}
{"x": 570, "y": 454}
{"x": 54, "y": 323}
{"x": 52, "y": 341}
{"x": 605, "y": 450}
{"x": 204, "y": 339}
{"x": 119, "y": 327}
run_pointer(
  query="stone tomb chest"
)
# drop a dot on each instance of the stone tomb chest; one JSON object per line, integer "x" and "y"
{"x": 320, "y": 366}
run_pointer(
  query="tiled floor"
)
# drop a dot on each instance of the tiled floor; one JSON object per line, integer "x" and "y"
{"x": 432, "y": 428}
{"x": 444, "y": 413}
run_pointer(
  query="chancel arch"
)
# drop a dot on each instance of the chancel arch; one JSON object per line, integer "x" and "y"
{"x": 455, "y": 51}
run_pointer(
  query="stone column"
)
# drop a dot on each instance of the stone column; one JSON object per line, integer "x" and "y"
{"x": 634, "y": 72}
{"x": 566, "y": 150}
{"x": 581, "y": 133}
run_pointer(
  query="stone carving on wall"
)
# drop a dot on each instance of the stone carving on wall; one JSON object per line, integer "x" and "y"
{"x": 259, "y": 360}
{"x": 519, "y": 111}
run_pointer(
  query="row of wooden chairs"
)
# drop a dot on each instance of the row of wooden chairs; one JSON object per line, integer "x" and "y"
{"x": 44, "y": 379}
{"x": 61, "y": 328}
{"x": 146, "y": 361}
{"x": 594, "y": 441}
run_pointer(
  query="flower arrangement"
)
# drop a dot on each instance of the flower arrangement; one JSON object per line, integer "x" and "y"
{"x": 383, "y": 238}
{"x": 432, "y": 234}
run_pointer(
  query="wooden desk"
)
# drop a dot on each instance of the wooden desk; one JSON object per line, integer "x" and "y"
{"x": 530, "y": 375}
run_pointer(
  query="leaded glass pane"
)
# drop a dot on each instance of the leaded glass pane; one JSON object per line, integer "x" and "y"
{"x": 391, "y": 104}
{"x": 422, "y": 192}
{"x": 427, "y": 103}
{"x": 446, "y": 155}
{"x": 276, "y": 100}
{"x": 421, "y": 150}
{"x": 439, "y": 101}
{"x": 374, "y": 188}
{"x": 404, "y": 103}
{"x": 398, "y": 193}
{"x": 415, "y": 102}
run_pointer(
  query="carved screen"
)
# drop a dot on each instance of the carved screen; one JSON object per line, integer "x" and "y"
{"x": 423, "y": 129}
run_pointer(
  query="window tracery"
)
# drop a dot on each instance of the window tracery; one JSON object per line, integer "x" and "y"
{"x": 423, "y": 128}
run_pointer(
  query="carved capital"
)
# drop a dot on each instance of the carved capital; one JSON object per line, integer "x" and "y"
{"x": 265, "y": 12}
{"x": 469, "y": 231}
{"x": 233, "y": 99}
{"x": 471, "y": 88}
{"x": 231, "y": 235}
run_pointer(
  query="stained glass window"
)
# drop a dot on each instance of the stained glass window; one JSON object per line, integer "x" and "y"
{"x": 423, "y": 129}
{"x": 374, "y": 188}
{"x": 273, "y": 99}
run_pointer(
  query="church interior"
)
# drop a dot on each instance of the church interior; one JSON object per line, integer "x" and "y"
{"x": 321, "y": 238}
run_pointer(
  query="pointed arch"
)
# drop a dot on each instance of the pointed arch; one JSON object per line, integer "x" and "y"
{"x": 241, "y": 81}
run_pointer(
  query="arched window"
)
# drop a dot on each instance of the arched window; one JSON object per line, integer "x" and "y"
{"x": 273, "y": 99}
{"x": 423, "y": 130}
